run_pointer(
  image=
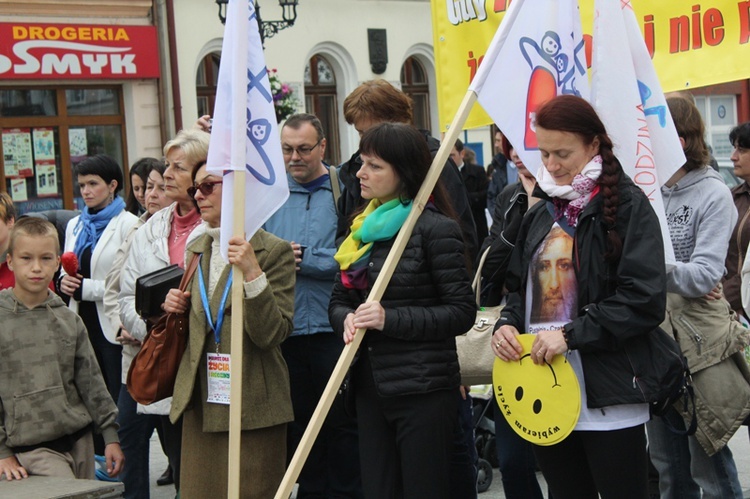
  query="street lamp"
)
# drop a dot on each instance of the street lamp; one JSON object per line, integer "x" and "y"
{"x": 266, "y": 28}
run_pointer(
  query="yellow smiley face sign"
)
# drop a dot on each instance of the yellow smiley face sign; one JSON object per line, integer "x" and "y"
{"x": 540, "y": 402}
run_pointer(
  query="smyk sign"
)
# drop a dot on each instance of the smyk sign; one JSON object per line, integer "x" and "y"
{"x": 77, "y": 51}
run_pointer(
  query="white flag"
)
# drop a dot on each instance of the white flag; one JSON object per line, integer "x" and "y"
{"x": 536, "y": 54}
{"x": 245, "y": 134}
{"x": 628, "y": 97}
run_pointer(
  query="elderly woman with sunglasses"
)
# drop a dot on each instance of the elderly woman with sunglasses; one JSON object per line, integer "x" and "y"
{"x": 267, "y": 264}
{"x": 161, "y": 242}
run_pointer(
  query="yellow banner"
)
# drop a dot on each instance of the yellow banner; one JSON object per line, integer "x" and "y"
{"x": 693, "y": 44}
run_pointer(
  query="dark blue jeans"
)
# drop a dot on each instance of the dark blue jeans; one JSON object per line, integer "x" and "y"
{"x": 332, "y": 468}
{"x": 685, "y": 468}
{"x": 135, "y": 434}
{"x": 464, "y": 456}
{"x": 517, "y": 461}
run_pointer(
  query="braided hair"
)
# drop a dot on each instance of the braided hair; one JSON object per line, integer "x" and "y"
{"x": 568, "y": 113}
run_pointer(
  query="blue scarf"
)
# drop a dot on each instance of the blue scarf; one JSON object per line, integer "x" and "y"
{"x": 91, "y": 226}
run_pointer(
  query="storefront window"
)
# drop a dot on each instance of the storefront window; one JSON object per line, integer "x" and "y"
{"x": 32, "y": 168}
{"x": 27, "y": 103}
{"x": 92, "y": 102}
{"x": 47, "y": 132}
{"x": 90, "y": 141}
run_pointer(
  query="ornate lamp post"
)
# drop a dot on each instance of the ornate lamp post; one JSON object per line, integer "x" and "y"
{"x": 267, "y": 28}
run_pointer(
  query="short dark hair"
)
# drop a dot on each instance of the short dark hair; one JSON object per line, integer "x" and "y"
{"x": 142, "y": 168}
{"x": 104, "y": 166}
{"x": 34, "y": 227}
{"x": 405, "y": 149}
{"x": 296, "y": 121}
{"x": 459, "y": 145}
{"x": 740, "y": 135}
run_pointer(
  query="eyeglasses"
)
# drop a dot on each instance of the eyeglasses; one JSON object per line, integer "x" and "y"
{"x": 206, "y": 188}
{"x": 303, "y": 151}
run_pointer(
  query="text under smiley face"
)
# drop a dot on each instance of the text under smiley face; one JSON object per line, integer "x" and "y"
{"x": 540, "y": 402}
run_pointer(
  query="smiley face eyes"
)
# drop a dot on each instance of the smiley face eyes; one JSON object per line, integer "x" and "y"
{"x": 536, "y": 406}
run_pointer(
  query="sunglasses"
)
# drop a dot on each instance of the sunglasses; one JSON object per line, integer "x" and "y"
{"x": 206, "y": 188}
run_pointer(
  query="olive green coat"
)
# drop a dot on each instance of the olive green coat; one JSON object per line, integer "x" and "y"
{"x": 267, "y": 322}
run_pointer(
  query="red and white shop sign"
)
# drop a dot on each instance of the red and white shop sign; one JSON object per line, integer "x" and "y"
{"x": 77, "y": 51}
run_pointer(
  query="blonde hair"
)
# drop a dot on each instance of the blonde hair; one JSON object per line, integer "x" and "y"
{"x": 194, "y": 143}
{"x": 33, "y": 227}
{"x": 7, "y": 208}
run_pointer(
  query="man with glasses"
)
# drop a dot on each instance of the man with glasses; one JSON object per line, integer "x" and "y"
{"x": 308, "y": 220}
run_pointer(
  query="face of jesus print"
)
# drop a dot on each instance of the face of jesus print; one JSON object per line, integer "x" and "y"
{"x": 554, "y": 280}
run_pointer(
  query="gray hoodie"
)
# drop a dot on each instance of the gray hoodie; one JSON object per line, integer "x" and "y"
{"x": 701, "y": 216}
{"x": 51, "y": 383}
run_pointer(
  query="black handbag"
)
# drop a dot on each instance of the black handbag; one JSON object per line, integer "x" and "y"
{"x": 151, "y": 290}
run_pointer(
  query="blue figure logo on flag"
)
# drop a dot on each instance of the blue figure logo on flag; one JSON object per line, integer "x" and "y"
{"x": 551, "y": 75}
{"x": 537, "y": 54}
{"x": 258, "y": 131}
{"x": 245, "y": 135}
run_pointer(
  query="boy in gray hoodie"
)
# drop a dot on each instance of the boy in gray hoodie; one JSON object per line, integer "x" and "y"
{"x": 52, "y": 390}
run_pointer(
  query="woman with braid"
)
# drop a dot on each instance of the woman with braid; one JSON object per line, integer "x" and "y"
{"x": 587, "y": 277}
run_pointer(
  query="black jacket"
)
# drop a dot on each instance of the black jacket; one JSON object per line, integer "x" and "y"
{"x": 427, "y": 303}
{"x": 351, "y": 197}
{"x": 476, "y": 182}
{"x": 499, "y": 181}
{"x": 621, "y": 304}
{"x": 510, "y": 207}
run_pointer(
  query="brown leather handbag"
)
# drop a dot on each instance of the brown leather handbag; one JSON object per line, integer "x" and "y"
{"x": 153, "y": 371}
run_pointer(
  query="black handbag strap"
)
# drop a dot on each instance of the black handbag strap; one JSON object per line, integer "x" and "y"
{"x": 688, "y": 404}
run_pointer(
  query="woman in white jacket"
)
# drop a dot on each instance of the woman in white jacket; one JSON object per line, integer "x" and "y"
{"x": 94, "y": 236}
{"x": 161, "y": 242}
{"x": 135, "y": 429}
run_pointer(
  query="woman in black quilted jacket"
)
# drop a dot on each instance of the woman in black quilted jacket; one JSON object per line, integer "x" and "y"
{"x": 405, "y": 379}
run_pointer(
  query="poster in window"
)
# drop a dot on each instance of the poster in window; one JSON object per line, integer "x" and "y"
{"x": 44, "y": 144}
{"x": 46, "y": 179}
{"x": 18, "y": 190}
{"x": 78, "y": 144}
{"x": 17, "y": 153}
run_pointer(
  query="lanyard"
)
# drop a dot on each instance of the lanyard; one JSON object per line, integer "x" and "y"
{"x": 216, "y": 328}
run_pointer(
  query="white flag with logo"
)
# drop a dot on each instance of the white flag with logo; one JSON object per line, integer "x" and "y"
{"x": 627, "y": 96}
{"x": 537, "y": 53}
{"x": 245, "y": 134}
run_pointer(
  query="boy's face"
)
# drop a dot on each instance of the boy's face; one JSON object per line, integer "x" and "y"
{"x": 34, "y": 262}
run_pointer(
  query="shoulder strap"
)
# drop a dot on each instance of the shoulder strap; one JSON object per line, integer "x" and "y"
{"x": 189, "y": 271}
{"x": 335, "y": 187}
{"x": 475, "y": 285}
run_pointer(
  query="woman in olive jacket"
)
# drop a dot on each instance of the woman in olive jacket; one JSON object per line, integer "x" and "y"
{"x": 267, "y": 265}
{"x": 605, "y": 315}
{"x": 406, "y": 377}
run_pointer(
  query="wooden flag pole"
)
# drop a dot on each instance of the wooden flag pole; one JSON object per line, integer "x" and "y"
{"x": 238, "y": 336}
{"x": 347, "y": 355}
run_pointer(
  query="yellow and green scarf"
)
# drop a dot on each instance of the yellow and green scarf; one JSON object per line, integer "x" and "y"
{"x": 378, "y": 222}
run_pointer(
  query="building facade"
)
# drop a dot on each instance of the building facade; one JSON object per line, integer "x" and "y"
{"x": 69, "y": 89}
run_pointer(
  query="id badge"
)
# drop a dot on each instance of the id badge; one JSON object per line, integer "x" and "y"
{"x": 218, "y": 378}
